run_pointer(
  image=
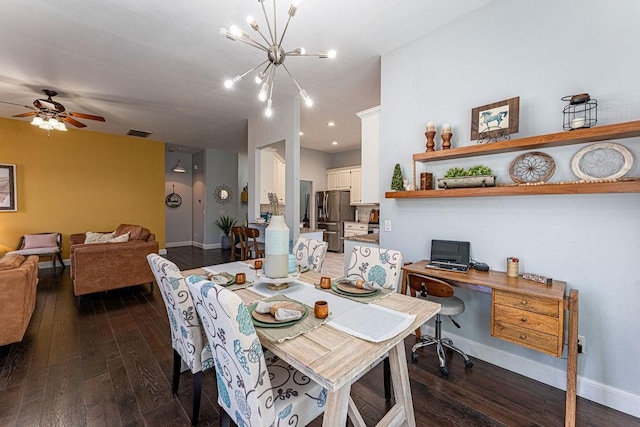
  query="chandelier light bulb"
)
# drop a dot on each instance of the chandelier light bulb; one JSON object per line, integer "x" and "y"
{"x": 307, "y": 101}
{"x": 331, "y": 54}
{"x": 268, "y": 111}
{"x": 235, "y": 30}
{"x": 223, "y": 31}
{"x": 258, "y": 79}
{"x": 262, "y": 96}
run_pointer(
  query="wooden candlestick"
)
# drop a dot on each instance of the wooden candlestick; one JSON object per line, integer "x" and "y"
{"x": 430, "y": 142}
{"x": 446, "y": 140}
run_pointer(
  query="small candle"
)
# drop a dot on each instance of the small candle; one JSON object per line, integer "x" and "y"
{"x": 446, "y": 128}
{"x": 431, "y": 127}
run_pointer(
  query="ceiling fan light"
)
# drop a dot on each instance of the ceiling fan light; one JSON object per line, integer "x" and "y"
{"x": 61, "y": 127}
{"x": 37, "y": 121}
{"x": 53, "y": 122}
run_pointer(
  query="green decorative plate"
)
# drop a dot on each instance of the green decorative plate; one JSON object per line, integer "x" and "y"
{"x": 360, "y": 292}
{"x": 260, "y": 324}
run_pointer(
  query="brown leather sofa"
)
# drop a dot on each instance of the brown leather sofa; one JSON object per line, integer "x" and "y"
{"x": 18, "y": 285}
{"x": 97, "y": 267}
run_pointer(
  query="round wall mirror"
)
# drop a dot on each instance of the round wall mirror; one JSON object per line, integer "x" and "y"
{"x": 223, "y": 194}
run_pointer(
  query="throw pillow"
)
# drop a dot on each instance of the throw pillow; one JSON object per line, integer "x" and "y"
{"x": 32, "y": 241}
{"x": 134, "y": 231}
{"x": 91, "y": 237}
{"x": 121, "y": 238}
{"x": 11, "y": 261}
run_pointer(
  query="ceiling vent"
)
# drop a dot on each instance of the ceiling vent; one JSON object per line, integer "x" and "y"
{"x": 139, "y": 133}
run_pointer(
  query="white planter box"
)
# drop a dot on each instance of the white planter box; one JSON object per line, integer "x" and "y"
{"x": 467, "y": 181}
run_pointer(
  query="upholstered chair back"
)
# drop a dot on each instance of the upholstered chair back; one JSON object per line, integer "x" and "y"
{"x": 310, "y": 254}
{"x": 244, "y": 386}
{"x": 382, "y": 266}
{"x": 186, "y": 333}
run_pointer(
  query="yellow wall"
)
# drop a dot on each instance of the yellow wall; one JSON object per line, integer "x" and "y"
{"x": 78, "y": 181}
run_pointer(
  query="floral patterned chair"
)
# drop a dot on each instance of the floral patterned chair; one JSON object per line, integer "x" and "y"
{"x": 310, "y": 254}
{"x": 254, "y": 388}
{"x": 189, "y": 345}
{"x": 384, "y": 267}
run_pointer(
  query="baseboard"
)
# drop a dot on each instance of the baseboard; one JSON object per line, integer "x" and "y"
{"x": 162, "y": 252}
{"x": 206, "y": 246}
{"x": 49, "y": 264}
{"x": 177, "y": 244}
{"x": 603, "y": 394}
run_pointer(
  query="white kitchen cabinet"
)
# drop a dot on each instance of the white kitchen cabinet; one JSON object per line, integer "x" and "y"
{"x": 279, "y": 176}
{"x": 355, "y": 228}
{"x": 370, "y": 179}
{"x": 272, "y": 176}
{"x": 356, "y": 186}
{"x": 340, "y": 178}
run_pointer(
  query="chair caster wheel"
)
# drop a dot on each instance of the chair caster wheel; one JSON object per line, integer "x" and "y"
{"x": 444, "y": 371}
{"x": 414, "y": 357}
{"x": 468, "y": 364}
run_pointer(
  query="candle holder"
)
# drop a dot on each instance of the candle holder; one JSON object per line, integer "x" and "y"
{"x": 430, "y": 134}
{"x": 446, "y": 140}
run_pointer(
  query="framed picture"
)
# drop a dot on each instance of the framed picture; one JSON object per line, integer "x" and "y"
{"x": 495, "y": 120}
{"x": 8, "y": 198}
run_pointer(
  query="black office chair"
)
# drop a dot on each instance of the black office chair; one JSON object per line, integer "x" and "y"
{"x": 440, "y": 292}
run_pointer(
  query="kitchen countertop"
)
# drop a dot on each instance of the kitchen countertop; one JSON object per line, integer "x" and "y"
{"x": 365, "y": 238}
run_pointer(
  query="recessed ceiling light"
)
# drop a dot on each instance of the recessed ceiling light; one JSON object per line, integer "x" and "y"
{"x": 331, "y": 124}
{"x": 301, "y": 133}
{"x": 334, "y": 143}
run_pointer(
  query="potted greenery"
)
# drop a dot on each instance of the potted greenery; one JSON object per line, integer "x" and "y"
{"x": 225, "y": 222}
{"x": 475, "y": 176}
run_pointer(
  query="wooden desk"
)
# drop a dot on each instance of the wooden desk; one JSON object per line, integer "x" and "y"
{"x": 523, "y": 312}
{"x": 335, "y": 359}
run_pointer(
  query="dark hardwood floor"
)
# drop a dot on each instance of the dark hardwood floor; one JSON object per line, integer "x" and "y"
{"x": 107, "y": 362}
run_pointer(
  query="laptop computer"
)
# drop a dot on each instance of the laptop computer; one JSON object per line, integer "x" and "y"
{"x": 449, "y": 255}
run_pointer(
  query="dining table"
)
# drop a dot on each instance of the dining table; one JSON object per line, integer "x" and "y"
{"x": 352, "y": 340}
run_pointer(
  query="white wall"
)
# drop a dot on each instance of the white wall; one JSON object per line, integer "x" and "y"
{"x": 284, "y": 125}
{"x": 538, "y": 50}
{"x": 178, "y": 220}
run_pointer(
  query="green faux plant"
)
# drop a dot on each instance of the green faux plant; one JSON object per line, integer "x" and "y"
{"x": 396, "y": 181}
{"x": 225, "y": 222}
{"x": 478, "y": 170}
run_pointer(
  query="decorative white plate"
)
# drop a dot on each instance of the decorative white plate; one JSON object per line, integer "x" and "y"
{"x": 603, "y": 160}
{"x": 276, "y": 281}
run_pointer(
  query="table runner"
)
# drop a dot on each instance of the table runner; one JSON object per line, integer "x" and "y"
{"x": 369, "y": 322}
{"x": 282, "y": 334}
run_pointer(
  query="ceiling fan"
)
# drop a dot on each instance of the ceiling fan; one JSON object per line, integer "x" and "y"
{"x": 50, "y": 114}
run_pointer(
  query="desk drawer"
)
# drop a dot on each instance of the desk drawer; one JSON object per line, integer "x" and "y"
{"x": 536, "y": 340}
{"x": 526, "y": 319}
{"x": 545, "y": 306}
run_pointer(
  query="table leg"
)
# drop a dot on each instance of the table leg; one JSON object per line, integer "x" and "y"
{"x": 401, "y": 383}
{"x": 335, "y": 413}
{"x": 572, "y": 361}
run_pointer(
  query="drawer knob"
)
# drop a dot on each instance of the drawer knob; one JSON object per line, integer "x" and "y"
{"x": 523, "y": 337}
{"x": 523, "y": 302}
{"x": 524, "y": 319}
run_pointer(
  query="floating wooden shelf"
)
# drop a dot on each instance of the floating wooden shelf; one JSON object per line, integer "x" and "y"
{"x": 578, "y": 136}
{"x": 521, "y": 190}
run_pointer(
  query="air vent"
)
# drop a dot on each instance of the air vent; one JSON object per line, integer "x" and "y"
{"x": 139, "y": 133}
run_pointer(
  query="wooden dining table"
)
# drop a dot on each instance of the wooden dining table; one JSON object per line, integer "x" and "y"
{"x": 335, "y": 359}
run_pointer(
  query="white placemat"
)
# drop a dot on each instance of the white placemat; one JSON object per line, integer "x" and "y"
{"x": 369, "y": 322}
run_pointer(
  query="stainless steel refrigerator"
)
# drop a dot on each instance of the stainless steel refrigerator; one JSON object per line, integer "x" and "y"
{"x": 333, "y": 210}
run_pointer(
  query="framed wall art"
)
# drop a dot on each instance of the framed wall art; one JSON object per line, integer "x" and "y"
{"x": 8, "y": 196}
{"x": 497, "y": 120}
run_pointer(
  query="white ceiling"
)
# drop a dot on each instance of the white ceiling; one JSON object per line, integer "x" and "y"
{"x": 158, "y": 65}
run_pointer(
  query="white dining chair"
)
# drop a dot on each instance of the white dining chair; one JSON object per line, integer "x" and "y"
{"x": 384, "y": 267}
{"x": 310, "y": 253}
{"x": 254, "y": 388}
{"x": 189, "y": 345}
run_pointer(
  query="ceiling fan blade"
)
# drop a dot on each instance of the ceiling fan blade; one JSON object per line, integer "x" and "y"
{"x": 86, "y": 116}
{"x": 30, "y": 113}
{"x": 74, "y": 122}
